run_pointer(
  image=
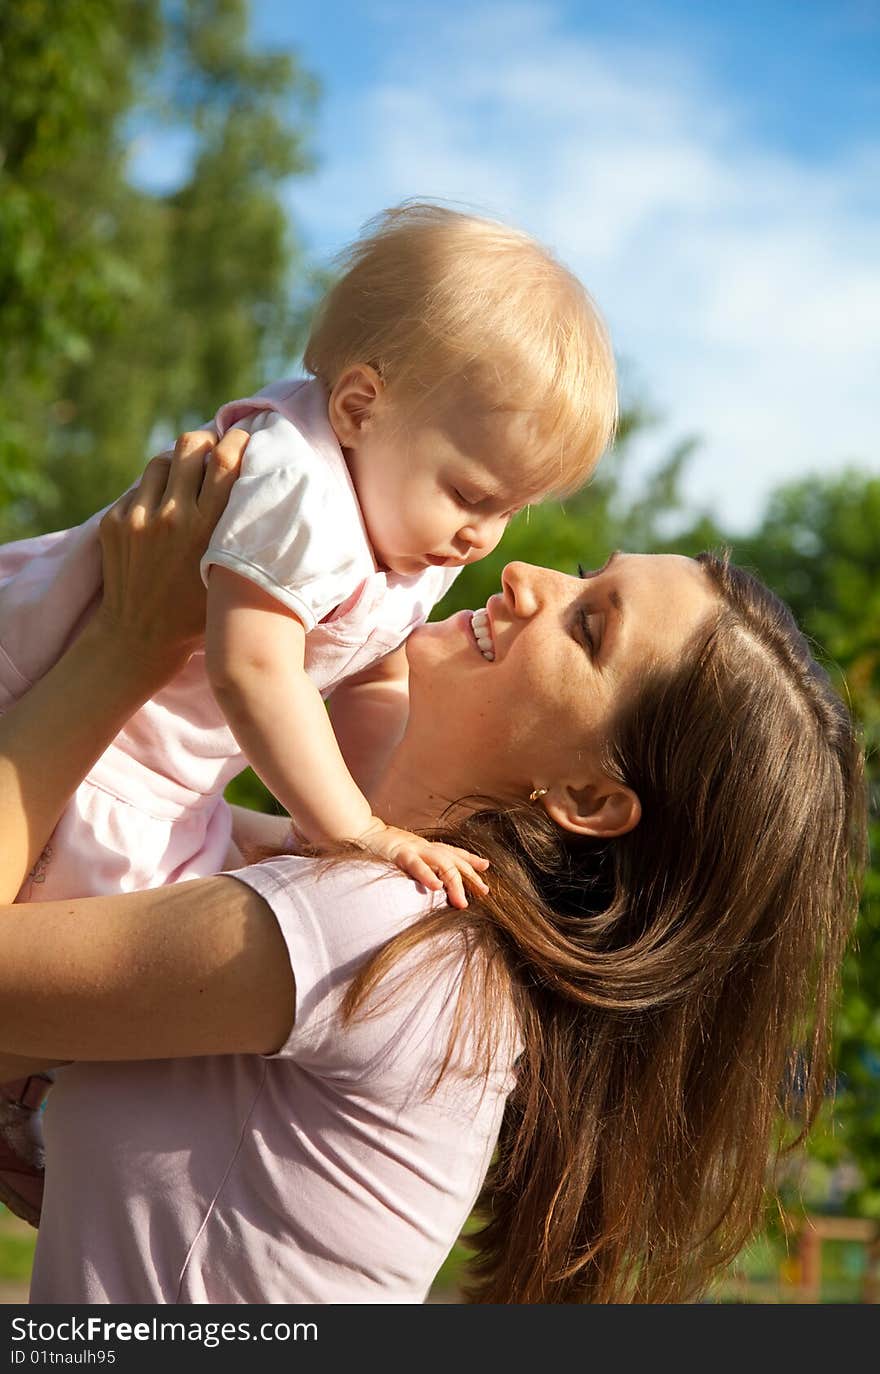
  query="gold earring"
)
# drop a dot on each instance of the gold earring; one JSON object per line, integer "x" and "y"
{"x": 538, "y": 792}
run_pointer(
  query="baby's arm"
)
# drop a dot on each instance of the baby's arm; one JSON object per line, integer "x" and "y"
{"x": 369, "y": 712}
{"x": 255, "y": 653}
{"x": 255, "y": 656}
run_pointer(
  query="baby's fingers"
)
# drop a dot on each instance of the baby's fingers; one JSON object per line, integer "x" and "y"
{"x": 418, "y": 869}
{"x": 451, "y": 879}
{"x": 456, "y": 869}
{"x": 454, "y": 884}
{"x": 433, "y": 873}
{"x": 470, "y": 866}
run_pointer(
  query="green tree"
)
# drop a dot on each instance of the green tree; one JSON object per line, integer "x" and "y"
{"x": 66, "y": 81}
{"x": 818, "y": 546}
{"x": 129, "y": 315}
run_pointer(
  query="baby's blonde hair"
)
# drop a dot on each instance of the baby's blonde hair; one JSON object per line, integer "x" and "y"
{"x": 429, "y": 296}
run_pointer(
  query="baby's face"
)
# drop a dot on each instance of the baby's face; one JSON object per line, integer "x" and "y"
{"x": 440, "y": 488}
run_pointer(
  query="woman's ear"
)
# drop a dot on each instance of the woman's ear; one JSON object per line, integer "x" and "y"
{"x": 602, "y": 809}
{"x": 352, "y": 402}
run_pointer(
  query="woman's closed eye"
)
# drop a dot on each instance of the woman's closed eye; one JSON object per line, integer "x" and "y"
{"x": 586, "y": 633}
{"x": 582, "y": 621}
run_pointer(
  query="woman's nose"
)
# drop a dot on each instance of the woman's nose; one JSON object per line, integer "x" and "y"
{"x": 521, "y": 583}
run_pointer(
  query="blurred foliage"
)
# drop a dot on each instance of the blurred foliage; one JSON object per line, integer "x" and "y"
{"x": 818, "y": 545}
{"x": 126, "y": 316}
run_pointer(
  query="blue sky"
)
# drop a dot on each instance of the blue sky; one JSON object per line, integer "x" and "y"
{"x": 711, "y": 172}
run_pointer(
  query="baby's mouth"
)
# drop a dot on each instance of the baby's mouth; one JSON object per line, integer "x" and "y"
{"x": 483, "y": 633}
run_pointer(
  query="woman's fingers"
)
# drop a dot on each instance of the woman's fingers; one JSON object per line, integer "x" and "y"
{"x": 153, "y": 540}
{"x": 188, "y": 466}
{"x": 146, "y": 498}
{"x": 145, "y": 495}
{"x": 221, "y": 471}
{"x": 196, "y": 475}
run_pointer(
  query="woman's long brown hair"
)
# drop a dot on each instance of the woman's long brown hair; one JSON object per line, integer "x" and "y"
{"x": 673, "y": 988}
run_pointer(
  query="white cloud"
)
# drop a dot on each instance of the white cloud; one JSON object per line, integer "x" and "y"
{"x": 744, "y": 284}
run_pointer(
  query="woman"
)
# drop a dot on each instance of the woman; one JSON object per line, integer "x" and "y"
{"x": 308, "y": 1067}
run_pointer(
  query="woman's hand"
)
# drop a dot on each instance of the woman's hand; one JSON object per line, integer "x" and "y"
{"x": 152, "y": 540}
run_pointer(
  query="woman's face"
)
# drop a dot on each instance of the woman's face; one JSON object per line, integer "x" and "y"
{"x": 568, "y": 652}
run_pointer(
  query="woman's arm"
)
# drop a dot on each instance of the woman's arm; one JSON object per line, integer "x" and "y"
{"x": 14, "y": 1067}
{"x": 150, "y": 619}
{"x": 193, "y": 969}
{"x": 80, "y": 705}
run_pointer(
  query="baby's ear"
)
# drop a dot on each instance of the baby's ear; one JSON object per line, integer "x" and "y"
{"x": 353, "y": 401}
{"x": 602, "y": 809}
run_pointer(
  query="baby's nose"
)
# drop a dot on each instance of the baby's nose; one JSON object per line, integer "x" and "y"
{"x": 483, "y": 535}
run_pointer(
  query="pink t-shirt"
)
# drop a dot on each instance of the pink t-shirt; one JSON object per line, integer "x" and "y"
{"x": 326, "y": 1173}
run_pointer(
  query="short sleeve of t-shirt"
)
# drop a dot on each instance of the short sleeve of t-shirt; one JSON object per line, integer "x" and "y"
{"x": 332, "y": 918}
{"x": 290, "y": 525}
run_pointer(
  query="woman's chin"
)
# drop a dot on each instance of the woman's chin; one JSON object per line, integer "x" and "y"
{"x": 453, "y": 632}
{"x": 439, "y": 645}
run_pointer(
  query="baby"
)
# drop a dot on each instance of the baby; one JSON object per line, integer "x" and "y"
{"x": 457, "y": 373}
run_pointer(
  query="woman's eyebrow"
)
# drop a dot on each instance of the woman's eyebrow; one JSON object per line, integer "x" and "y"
{"x": 614, "y": 595}
{"x": 596, "y": 571}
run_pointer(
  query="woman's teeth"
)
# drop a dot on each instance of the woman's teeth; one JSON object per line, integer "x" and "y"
{"x": 482, "y": 633}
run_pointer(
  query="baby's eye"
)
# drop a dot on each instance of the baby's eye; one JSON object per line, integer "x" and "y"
{"x": 468, "y": 498}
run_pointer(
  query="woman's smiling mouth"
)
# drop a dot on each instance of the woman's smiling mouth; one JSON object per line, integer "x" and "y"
{"x": 483, "y": 633}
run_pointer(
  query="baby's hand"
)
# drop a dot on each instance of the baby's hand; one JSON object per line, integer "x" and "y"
{"x": 434, "y": 865}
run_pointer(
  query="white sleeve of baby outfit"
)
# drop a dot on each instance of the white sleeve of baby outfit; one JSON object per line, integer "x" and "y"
{"x": 290, "y": 525}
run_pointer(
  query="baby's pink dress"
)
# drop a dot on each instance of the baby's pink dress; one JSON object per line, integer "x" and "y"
{"x": 151, "y": 811}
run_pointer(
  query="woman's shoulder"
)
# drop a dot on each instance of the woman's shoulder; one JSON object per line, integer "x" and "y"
{"x": 334, "y": 917}
{"x": 353, "y": 905}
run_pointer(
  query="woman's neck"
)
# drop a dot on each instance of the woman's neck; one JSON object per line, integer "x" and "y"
{"x": 415, "y": 789}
